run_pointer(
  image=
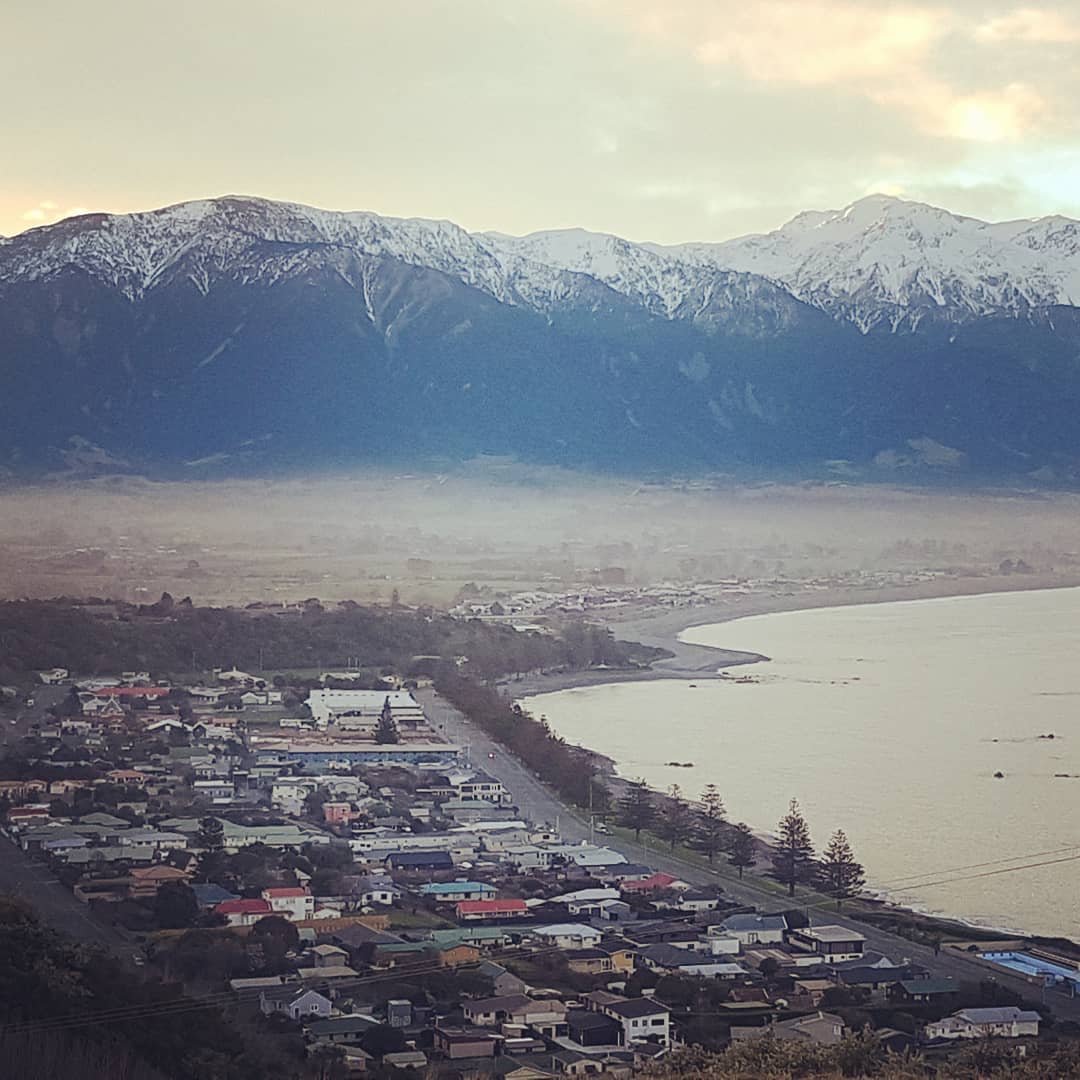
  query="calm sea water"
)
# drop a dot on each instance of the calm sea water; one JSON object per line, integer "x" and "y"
{"x": 888, "y": 721}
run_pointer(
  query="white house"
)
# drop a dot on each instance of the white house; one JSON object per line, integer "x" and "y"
{"x": 753, "y": 929}
{"x": 834, "y": 944}
{"x": 1007, "y": 1022}
{"x": 642, "y": 1020}
{"x": 294, "y": 1002}
{"x": 214, "y": 789}
{"x": 722, "y": 945}
{"x": 293, "y": 902}
{"x": 569, "y": 935}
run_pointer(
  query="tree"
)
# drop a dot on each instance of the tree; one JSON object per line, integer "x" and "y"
{"x": 676, "y": 821}
{"x": 793, "y": 855}
{"x": 211, "y": 838}
{"x": 711, "y": 823}
{"x": 211, "y": 835}
{"x": 741, "y": 849}
{"x": 175, "y": 906}
{"x": 636, "y": 809}
{"x": 386, "y": 731}
{"x": 842, "y": 875}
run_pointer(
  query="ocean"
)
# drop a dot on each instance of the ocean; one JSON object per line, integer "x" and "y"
{"x": 890, "y": 721}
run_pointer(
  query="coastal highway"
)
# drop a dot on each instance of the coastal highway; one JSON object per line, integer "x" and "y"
{"x": 539, "y": 804}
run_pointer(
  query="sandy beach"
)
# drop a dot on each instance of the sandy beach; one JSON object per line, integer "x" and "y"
{"x": 661, "y": 627}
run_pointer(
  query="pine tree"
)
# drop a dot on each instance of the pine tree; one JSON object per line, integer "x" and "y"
{"x": 211, "y": 838}
{"x": 676, "y": 821}
{"x": 386, "y": 731}
{"x": 793, "y": 855}
{"x": 711, "y": 825}
{"x": 211, "y": 835}
{"x": 636, "y": 809}
{"x": 741, "y": 848}
{"x": 842, "y": 876}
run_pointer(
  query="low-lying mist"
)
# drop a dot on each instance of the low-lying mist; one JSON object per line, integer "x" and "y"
{"x": 365, "y": 536}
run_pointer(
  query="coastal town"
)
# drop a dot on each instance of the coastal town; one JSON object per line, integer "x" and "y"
{"x": 365, "y": 873}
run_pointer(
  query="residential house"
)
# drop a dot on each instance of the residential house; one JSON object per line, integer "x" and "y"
{"x": 243, "y": 912}
{"x": 465, "y": 1042}
{"x": 294, "y": 1001}
{"x": 588, "y": 1028}
{"x": 687, "y": 962}
{"x": 420, "y": 860}
{"x": 641, "y": 1020}
{"x": 569, "y": 935}
{"x": 924, "y": 990}
{"x": 753, "y": 929}
{"x": 504, "y": 982}
{"x": 213, "y": 789}
{"x": 146, "y": 880}
{"x": 823, "y": 1028}
{"x": 834, "y": 944}
{"x": 342, "y": 1030}
{"x": 658, "y": 882}
{"x": 339, "y": 813}
{"x": 371, "y": 890}
{"x": 697, "y": 900}
{"x": 477, "y": 910}
{"x": 210, "y": 895}
{"x": 453, "y": 891}
{"x": 479, "y": 786}
{"x": 328, "y": 956}
{"x": 1005, "y": 1022}
{"x": 293, "y": 902}
{"x": 544, "y": 1017}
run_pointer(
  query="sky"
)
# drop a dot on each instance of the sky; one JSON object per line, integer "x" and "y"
{"x": 663, "y": 120}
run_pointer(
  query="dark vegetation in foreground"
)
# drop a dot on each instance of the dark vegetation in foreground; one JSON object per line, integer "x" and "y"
{"x": 46, "y": 983}
{"x": 863, "y": 1057}
{"x": 97, "y": 637}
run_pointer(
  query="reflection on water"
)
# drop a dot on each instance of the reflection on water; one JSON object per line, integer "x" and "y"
{"x": 890, "y": 721}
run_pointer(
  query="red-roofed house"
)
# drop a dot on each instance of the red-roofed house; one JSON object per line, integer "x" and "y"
{"x": 653, "y": 883}
{"x": 244, "y": 912}
{"x": 472, "y": 910}
{"x": 132, "y": 777}
{"x": 294, "y": 902}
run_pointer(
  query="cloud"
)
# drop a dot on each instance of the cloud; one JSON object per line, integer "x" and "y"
{"x": 906, "y": 57}
{"x": 1031, "y": 25}
{"x": 47, "y": 211}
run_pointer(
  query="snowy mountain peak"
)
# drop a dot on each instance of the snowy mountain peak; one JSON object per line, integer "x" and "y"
{"x": 881, "y": 261}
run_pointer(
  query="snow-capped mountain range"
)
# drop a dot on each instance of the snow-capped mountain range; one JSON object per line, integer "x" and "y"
{"x": 238, "y": 333}
{"x": 881, "y": 261}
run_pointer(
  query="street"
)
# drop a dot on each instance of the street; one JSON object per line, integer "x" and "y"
{"x": 538, "y": 804}
{"x": 54, "y": 905}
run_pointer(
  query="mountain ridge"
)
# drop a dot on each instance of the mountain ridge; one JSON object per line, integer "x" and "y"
{"x": 888, "y": 338}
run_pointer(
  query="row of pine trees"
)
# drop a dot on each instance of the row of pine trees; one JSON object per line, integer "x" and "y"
{"x": 705, "y": 827}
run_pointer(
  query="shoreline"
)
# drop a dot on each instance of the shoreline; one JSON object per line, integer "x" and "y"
{"x": 697, "y": 662}
{"x": 663, "y": 627}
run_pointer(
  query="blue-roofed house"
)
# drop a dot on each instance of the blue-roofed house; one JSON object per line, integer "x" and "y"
{"x": 210, "y": 895}
{"x": 420, "y": 860}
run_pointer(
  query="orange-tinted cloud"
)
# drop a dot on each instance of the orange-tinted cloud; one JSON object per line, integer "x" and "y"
{"x": 1030, "y": 25}
{"x": 47, "y": 211}
{"x": 894, "y": 56}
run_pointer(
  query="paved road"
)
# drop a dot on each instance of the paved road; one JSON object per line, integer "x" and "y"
{"x": 539, "y": 804}
{"x": 34, "y": 883}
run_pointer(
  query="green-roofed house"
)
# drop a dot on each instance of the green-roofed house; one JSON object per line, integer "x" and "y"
{"x": 922, "y": 990}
